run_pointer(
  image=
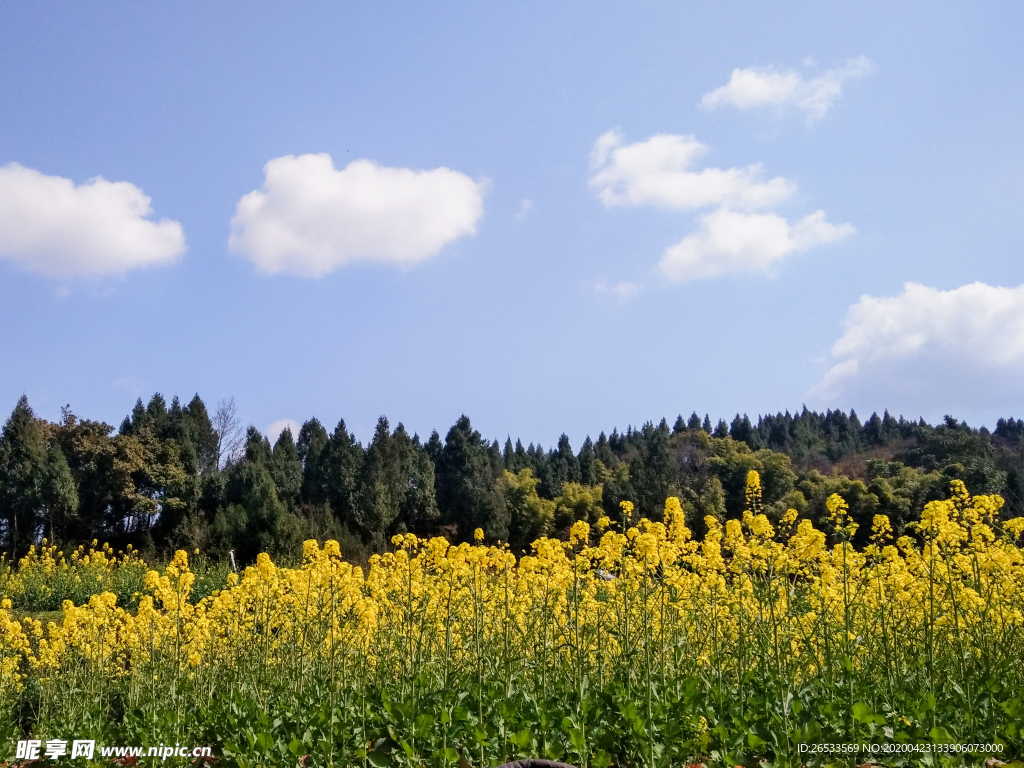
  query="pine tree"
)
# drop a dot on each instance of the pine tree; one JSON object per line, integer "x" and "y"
{"x": 381, "y": 486}
{"x": 339, "y": 465}
{"x": 202, "y": 433}
{"x": 588, "y": 463}
{"x": 465, "y": 482}
{"x": 60, "y": 494}
{"x": 312, "y": 441}
{"x": 286, "y": 469}
{"x": 23, "y": 471}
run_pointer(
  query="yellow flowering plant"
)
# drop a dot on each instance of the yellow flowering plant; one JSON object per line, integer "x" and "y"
{"x": 638, "y": 646}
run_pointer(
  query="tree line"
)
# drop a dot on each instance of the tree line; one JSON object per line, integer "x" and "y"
{"x": 176, "y": 476}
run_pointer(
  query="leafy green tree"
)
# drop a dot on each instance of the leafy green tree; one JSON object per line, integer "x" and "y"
{"x": 578, "y": 502}
{"x": 903, "y": 491}
{"x": 701, "y": 491}
{"x": 530, "y": 516}
{"x": 959, "y": 452}
{"x": 863, "y": 504}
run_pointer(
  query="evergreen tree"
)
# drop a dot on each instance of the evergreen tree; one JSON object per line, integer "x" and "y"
{"x": 286, "y": 469}
{"x": 561, "y": 467}
{"x": 418, "y": 512}
{"x": 23, "y": 464}
{"x": 742, "y": 431}
{"x": 588, "y": 463}
{"x": 312, "y": 441}
{"x": 254, "y": 520}
{"x": 201, "y": 431}
{"x": 60, "y": 494}
{"x": 339, "y": 465}
{"x": 465, "y": 481}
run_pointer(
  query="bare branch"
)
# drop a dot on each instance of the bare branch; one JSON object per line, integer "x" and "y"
{"x": 229, "y": 431}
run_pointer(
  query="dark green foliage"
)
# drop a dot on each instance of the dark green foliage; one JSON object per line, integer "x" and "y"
{"x": 466, "y": 475}
{"x": 157, "y": 483}
{"x": 286, "y": 469}
{"x": 396, "y": 485}
{"x": 339, "y": 464}
{"x": 23, "y": 469}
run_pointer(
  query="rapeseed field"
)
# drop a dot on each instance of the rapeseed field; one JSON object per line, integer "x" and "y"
{"x": 760, "y": 644}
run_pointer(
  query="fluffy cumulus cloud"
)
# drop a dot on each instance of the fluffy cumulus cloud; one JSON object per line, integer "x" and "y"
{"x": 50, "y": 225}
{"x": 729, "y": 241}
{"x": 659, "y": 172}
{"x": 737, "y": 236}
{"x": 310, "y": 218}
{"x": 756, "y": 87}
{"x": 963, "y": 347}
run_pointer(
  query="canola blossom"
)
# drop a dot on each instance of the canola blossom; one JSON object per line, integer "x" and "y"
{"x": 642, "y": 647}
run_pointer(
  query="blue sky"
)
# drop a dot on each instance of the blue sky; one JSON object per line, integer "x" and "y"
{"x": 571, "y": 271}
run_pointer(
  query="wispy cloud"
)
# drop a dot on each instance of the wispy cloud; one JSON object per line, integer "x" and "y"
{"x": 659, "y": 172}
{"x": 758, "y": 87}
{"x": 623, "y": 291}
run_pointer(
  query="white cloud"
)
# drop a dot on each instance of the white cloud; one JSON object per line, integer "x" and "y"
{"x": 273, "y": 431}
{"x": 729, "y": 241}
{"x": 51, "y": 226}
{"x": 525, "y": 207}
{"x": 769, "y": 87}
{"x": 732, "y": 237}
{"x": 310, "y": 218}
{"x": 659, "y": 172}
{"x": 958, "y": 348}
{"x": 622, "y": 291}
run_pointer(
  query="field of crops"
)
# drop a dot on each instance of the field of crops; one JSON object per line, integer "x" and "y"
{"x": 641, "y": 647}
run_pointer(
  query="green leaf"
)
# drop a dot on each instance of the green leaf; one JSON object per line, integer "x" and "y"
{"x": 862, "y": 712}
